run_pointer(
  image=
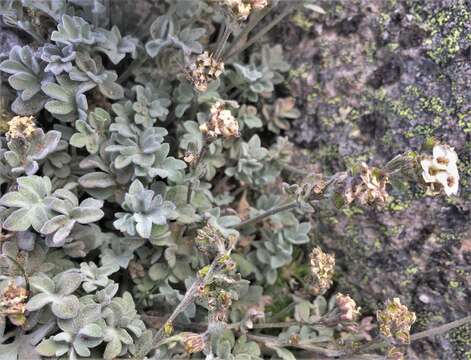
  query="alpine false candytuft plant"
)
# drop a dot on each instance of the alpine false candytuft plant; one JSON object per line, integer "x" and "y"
{"x": 149, "y": 204}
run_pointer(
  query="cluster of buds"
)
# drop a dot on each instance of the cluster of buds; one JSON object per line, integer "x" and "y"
{"x": 395, "y": 321}
{"x": 349, "y": 311}
{"x": 193, "y": 342}
{"x": 440, "y": 169}
{"x": 21, "y": 127}
{"x": 136, "y": 270}
{"x": 369, "y": 187}
{"x": 13, "y": 303}
{"x": 219, "y": 302}
{"x": 241, "y": 9}
{"x": 322, "y": 271}
{"x": 210, "y": 240}
{"x": 204, "y": 70}
{"x": 221, "y": 123}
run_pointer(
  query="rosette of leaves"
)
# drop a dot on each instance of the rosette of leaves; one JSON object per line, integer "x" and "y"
{"x": 121, "y": 323}
{"x": 78, "y": 335}
{"x": 143, "y": 209}
{"x": 149, "y": 106}
{"x": 92, "y": 133}
{"x": 27, "y": 205}
{"x": 81, "y": 240}
{"x": 24, "y": 342}
{"x": 56, "y": 292}
{"x": 226, "y": 347}
{"x": 164, "y": 166}
{"x": 70, "y": 212}
{"x": 32, "y": 254}
{"x": 275, "y": 249}
{"x": 68, "y": 101}
{"x": 24, "y": 154}
{"x": 116, "y": 46}
{"x": 108, "y": 182}
{"x": 250, "y": 160}
{"x": 91, "y": 70}
{"x": 58, "y": 163}
{"x": 165, "y": 31}
{"x": 279, "y": 114}
{"x": 137, "y": 148}
{"x": 58, "y": 58}
{"x": 119, "y": 250}
{"x": 27, "y": 77}
{"x": 95, "y": 277}
{"x": 261, "y": 74}
{"x": 247, "y": 116}
{"x": 73, "y": 30}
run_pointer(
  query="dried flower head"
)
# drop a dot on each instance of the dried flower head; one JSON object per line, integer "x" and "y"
{"x": 221, "y": 123}
{"x": 13, "y": 303}
{"x": 204, "y": 70}
{"x": 395, "y": 353}
{"x": 369, "y": 187}
{"x": 210, "y": 240}
{"x": 190, "y": 157}
{"x": 193, "y": 342}
{"x": 395, "y": 321}
{"x": 259, "y": 4}
{"x": 21, "y": 127}
{"x": 441, "y": 169}
{"x": 322, "y": 270}
{"x": 241, "y": 9}
{"x": 348, "y": 307}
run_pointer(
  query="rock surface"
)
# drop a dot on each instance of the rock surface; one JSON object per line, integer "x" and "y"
{"x": 374, "y": 79}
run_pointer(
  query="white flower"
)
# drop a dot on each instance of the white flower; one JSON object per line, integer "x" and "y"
{"x": 449, "y": 181}
{"x": 444, "y": 157}
{"x": 441, "y": 168}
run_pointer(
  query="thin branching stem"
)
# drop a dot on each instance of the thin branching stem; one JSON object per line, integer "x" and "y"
{"x": 288, "y": 9}
{"x": 254, "y": 20}
{"x": 190, "y": 294}
{"x": 265, "y": 214}
{"x": 439, "y": 330}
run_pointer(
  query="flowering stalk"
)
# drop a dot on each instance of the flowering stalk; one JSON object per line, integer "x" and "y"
{"x": 289, "y": 8}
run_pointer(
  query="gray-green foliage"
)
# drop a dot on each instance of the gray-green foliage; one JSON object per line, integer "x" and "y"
{"x": 103, "y": 201}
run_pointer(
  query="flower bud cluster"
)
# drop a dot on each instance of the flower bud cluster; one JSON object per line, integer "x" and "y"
{"x": 204, "y": 70}
{"x": 221, "y": 123}
{"x": 21, "y": 127}
{"x": 395, "y": 321}
{"x": 322, "y": 271}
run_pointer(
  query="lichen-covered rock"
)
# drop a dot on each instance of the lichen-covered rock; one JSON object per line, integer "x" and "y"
{"x": 375, "y": 78}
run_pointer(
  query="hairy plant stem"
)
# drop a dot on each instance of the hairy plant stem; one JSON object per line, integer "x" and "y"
{"x": 273, "y": 341}
{"x": 255, "y": 219}
{"x": 254, "y": 20}
{"x": 191, "y": 292}
{"x": 439, "y": 330}
{"x": 288, "y": 9}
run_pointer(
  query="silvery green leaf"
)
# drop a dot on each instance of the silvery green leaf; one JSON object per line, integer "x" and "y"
{"x": 162, "y": 27}
{"x": 115, "y": 46}
{"x": 68, "y": 100}
{"x": 153, "y": 47}
{"x": 66, "y": 308}
{"x": 29, "y": 198}
{"x": 97, "y": 180}
{"x": 58, "y": 58}
{"x": 74, "y": 30}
